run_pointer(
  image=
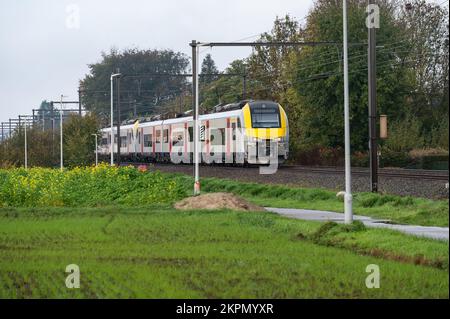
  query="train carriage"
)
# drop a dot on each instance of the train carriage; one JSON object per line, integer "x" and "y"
{"x": 253, "y": 132}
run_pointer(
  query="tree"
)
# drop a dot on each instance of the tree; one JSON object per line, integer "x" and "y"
{"x": 268, "y": 65}
{"x": 79, "y": 142}
{"x": 317, "y": 92}
{"x": 426, "y": 46}
{"x": 227, "y": 88}
{"x": 144, "y": 92}
{"x": 208, "y": 67}
{"x": 43, "y": 145}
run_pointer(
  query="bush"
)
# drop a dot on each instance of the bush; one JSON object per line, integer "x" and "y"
{"x": 391, "y": 158}
{"x": 439, "y": 135}
{"x": 86, "y": 186}
{"x": 360, "y": 159}
{"x": 405, "y": 135}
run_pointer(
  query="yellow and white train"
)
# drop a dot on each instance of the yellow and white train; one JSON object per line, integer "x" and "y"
{"x": 252, "y": 132}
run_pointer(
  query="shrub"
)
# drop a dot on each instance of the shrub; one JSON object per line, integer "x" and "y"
{"x": 405, "y": 135}
{"x": 86, "y": 186}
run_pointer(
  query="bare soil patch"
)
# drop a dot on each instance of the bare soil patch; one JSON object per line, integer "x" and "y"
{"x": 217, "y": 201}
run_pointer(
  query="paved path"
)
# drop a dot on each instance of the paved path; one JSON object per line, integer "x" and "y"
{"x": 440, "y": 233}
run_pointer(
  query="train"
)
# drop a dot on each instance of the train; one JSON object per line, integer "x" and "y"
{"x": 245, "y": 132}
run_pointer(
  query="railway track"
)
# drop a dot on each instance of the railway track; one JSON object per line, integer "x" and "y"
{"x": 436, "y": 175}
{"x": 403, "y": 182}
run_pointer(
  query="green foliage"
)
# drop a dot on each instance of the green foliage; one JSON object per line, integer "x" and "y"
{"x": 44, "y": 145}
{"x": 405, "y": 135}
{"x": 43, "y": 148}
{"x": 88, "y": 186}
{"x": 227, "y": 88}
{"x": 79, "y": 140}
{"x": 269, "y": 67}
{"x": 412, "y": 73}
{"x": 147, "y": 92}
{"x": 439, "y": 135}
{"x": 318, "y": 75}
{"x": 208, "y": 67}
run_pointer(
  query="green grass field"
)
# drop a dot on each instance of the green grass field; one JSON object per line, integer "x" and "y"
{"x": 157, "y": 252}
{"x": 87, "y": 216}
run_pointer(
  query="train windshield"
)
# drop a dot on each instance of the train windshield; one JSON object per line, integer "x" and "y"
{"x": 265, "y": 115}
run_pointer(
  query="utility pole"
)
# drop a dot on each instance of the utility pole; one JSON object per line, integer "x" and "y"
{"x": 373, "y": 147}
{"x": 348, "y": 209}
{"x": 195, "y": 116}
{"x": 61, "y": 134}
{"x": 195, "y": 46}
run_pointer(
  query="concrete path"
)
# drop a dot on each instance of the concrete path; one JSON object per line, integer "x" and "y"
{"x": 440, "y": 233}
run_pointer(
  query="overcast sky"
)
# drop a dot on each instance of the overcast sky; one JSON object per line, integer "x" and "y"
{"x": 46, "y": 46}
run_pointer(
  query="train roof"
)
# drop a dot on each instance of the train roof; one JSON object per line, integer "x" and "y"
{"x": 209, "y": 116}
{"x": 219, "y": 111}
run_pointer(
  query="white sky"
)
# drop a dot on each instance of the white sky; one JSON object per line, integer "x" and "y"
{"x": 41, "y": 57}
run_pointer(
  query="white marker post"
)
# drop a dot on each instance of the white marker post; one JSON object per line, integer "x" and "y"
{"x": 348, "y": 175}
{"x": 96, "y": 150}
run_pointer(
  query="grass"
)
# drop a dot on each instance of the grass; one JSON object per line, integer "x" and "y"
{"x": 398, "y": 209}
{"x": 157, "y": 252}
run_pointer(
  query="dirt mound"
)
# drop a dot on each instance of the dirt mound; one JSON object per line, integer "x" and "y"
{"x": 217, "y": 201}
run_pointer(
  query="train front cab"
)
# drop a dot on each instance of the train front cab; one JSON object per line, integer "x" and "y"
{"x": 266, "y": 132}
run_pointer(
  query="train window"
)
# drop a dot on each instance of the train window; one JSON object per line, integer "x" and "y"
{"x": 265, "y": 115}
{"x": 158, "y": 136}
{"x": 233, "y": 131}
{"x": 191, "y": 133}
{"x": 238, "y": 123}
{"x": 217, "y": 136}
{"x": 166, "y": 136}
{"x": 115, "y": 138}
{"x": 104, "y": 141}
{"x": 177, "y": 139}
{"x": 148, "y": 140}
{"x": 123, "y": 141}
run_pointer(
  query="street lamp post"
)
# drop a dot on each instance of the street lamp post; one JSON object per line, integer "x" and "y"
{"x": 195, "y": 56}
{"x": 112, "y": 117}
{"x": 348, "y": 213}
{"x": 96, "y": 150}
